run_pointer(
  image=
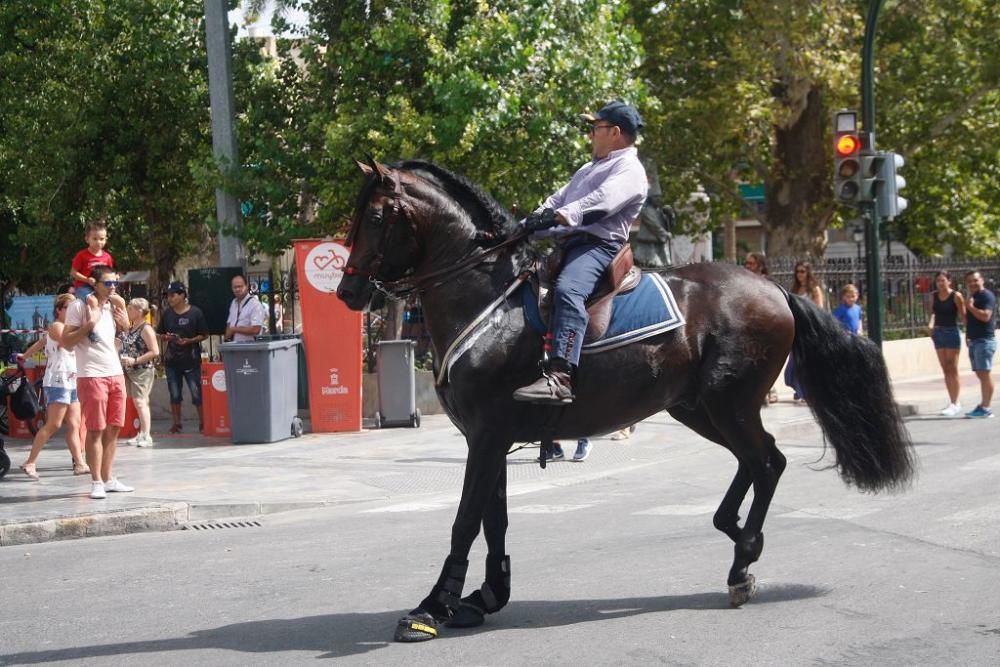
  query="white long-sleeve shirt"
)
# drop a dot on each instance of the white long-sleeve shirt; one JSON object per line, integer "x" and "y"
{"x": 603, "y": 198}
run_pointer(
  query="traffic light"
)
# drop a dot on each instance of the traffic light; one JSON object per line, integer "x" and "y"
{"x": 890, "y": 204}
{"x": 847, "y": 174}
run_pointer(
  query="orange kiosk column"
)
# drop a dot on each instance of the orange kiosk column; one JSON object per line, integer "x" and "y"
{"x": 331, "y": 334}
{"x": 214, "y": 401}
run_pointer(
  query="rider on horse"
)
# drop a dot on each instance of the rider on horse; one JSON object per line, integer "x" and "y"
{"x": 592, "y": 215}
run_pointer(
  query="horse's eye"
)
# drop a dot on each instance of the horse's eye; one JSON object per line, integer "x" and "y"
{"x": 375, "y": 215}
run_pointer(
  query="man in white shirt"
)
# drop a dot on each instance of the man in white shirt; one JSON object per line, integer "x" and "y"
{"x": 100, "y": 384}
{"x": 591, "y": 216}
{"x": 246, "y": 313}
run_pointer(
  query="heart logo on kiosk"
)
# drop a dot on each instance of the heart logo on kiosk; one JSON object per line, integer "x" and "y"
{"x": 324, "y": 266}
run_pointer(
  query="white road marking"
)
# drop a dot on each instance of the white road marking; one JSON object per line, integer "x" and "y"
{"x": 410, "y": 507}
{"x": 547, "y": 509}
{"x": 677, "y": 510}
{"x": 989, "y": 463}
{"x": 839, "y": 514}
{"x": 989, "y": 513}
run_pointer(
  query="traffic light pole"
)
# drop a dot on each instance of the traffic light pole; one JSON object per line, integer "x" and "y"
{"x": 871, "y": 214}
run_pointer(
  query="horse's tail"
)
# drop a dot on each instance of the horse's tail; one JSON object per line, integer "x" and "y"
{"x": 846, "y": 384}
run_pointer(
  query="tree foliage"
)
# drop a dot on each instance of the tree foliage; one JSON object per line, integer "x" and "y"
{"x": 747, "y": 89}
{"x": 489, "y": 90}
{"x": 104, "y": 103}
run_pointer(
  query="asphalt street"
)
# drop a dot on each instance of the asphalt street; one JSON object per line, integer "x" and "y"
{"x": 616, "y": 568}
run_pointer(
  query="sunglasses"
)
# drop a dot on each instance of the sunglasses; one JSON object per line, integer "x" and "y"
{"x": 110, "y": 283}
{"x": 594, "y": 128}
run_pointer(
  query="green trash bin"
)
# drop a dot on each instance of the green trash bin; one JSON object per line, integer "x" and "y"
{"x": 262, "y": 384}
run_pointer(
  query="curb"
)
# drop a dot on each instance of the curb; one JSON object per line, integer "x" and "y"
{"x": 169, "y": 516}
{"x": 158, "y": 518}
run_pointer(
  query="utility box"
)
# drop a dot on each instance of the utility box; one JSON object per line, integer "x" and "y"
{"x": 397, "y": 385}
{"x": 262, "y": 385}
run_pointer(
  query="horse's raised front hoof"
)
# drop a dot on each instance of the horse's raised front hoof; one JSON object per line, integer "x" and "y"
{"x": 416, "y": 628}
{"x": 467, "y": 616}
{"x": 740, "y": 594}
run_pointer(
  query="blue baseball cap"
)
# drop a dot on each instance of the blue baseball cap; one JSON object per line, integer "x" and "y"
{"x": 623, "y": 115}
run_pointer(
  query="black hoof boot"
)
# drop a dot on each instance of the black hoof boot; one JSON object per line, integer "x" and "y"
{"x": 491, "y": 597}
{"x": 417, "y": 626}
{"x": 424, "y": 622}
{"x": 467, "y": 616}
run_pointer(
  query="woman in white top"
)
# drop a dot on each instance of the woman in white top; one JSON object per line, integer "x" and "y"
{"x": 59, "y": 385}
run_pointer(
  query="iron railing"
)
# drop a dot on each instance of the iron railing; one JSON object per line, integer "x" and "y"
{"x": 906, "y": 284}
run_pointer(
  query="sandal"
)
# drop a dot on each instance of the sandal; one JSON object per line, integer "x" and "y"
{"x": 176, "y": 428}
{"x": 80, "y": 469}
{"x": 29, "y": 470}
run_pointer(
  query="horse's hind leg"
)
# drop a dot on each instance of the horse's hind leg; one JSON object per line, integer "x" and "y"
{"x": 755, "y": 449}
{"x": 493, "y": 595}
{"x": 727, "y": 517}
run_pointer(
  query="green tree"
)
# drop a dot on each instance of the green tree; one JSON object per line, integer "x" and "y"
{"x": 939, "y": 106}
{"x": 747, "y": 88}
{"x": 104, "y": 104}
{"x": 490, "y": 90}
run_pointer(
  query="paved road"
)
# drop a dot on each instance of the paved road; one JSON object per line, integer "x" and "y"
{"x": 620, "y": 568}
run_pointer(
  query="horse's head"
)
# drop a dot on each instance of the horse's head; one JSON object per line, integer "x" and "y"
{"x": 382, "y": 237}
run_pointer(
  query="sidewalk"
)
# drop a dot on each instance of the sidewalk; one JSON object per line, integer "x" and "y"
{"x": 188, "y": 478}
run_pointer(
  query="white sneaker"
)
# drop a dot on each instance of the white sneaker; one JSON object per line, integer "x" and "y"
{"x": 131, "y": 442}
{"x": 114, "y": 486}
{"x": 144, "y": 441}
{"x": 97, "y": 491}
{"x": 953, "y": 410}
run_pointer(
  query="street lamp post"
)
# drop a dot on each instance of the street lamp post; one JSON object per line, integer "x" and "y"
{"x": 858, "y": 234}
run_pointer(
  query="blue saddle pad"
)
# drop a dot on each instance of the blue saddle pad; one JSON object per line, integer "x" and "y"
{"x": 648, "y": 310}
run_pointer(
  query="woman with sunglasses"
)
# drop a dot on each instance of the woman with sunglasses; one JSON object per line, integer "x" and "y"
{"x": 59, "y": 385}
{"x": 804, "y": 284}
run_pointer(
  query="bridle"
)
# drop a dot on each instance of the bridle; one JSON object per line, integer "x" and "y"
{"x": 395, "y": 211}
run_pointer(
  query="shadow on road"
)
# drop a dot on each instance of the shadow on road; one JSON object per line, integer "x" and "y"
{"x": 342, "y": 635}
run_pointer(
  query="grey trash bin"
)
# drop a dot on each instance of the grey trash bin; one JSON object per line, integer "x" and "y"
{"x": 397, "y": 390}
{"x": 262, "y": 383}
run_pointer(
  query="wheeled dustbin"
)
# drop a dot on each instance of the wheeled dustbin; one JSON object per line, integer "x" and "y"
{"x": 397, "y": 391}
{"x": 262, "y": 384}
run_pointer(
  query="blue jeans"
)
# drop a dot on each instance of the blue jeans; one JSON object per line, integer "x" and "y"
{"x": 191, "y": 376}
{"x": 584, "y": 261}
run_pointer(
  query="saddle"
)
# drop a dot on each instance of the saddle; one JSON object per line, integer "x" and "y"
{"x": 620, "y": 277}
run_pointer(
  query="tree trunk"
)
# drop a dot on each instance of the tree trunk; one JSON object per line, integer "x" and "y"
{"x": 393, "y": 320}
{"x": 729, "y": 240}
{"x": 797, "y": 198}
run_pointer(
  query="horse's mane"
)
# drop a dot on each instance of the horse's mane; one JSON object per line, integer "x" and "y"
{"x": 498, "y": 219}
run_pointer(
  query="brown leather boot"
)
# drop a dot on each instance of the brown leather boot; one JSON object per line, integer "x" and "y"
{"x": 553, "y": 388}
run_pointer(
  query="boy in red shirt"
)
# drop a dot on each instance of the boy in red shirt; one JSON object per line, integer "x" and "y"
{"x": 94, "y": 254}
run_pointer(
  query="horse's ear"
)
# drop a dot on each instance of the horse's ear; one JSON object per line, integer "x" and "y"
{"x": 367, "y": 170}
{"x": 383, "y": 170}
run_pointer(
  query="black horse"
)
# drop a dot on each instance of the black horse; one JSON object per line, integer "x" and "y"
{"x": 420, "y": 228}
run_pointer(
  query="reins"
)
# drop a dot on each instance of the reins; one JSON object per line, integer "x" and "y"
{"x": 419, "y": 282}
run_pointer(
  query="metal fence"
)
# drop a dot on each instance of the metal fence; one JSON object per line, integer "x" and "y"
{"x": 906, "y": 284}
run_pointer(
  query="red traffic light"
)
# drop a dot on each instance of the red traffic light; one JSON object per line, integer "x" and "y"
{"x": 847, "y": 144}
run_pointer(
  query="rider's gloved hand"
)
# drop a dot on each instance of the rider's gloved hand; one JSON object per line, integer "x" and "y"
{"x": 539, "y": 220}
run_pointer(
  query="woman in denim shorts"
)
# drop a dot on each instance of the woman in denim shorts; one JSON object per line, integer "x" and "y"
{"x": 59, "y": 385}
{"x": 947, "y": 310}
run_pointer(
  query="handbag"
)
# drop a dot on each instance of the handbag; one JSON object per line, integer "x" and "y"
{"x": 24, "y": 401}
